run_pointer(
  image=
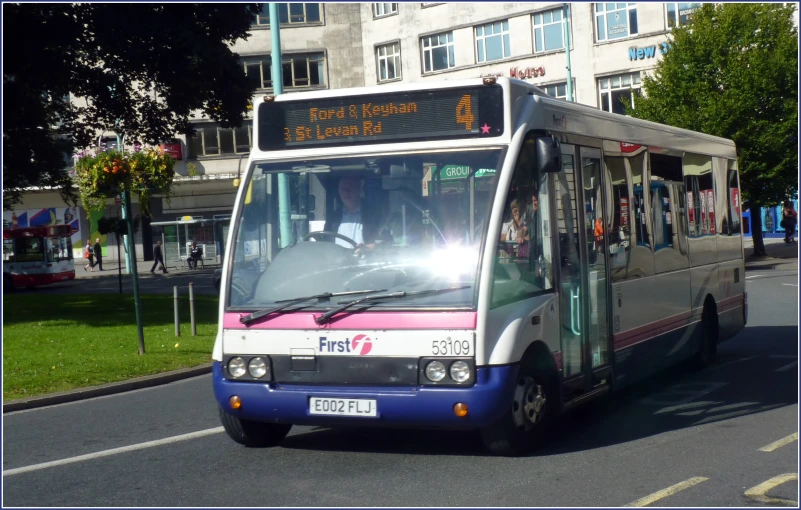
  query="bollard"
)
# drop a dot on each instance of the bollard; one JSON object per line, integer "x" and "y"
{"x": 192, "y": 309}
{"x": 175, "y": 310}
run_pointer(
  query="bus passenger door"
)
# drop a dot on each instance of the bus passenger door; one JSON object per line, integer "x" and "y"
{"x": 594, "y": 277}
{"x": 582, "y": 275}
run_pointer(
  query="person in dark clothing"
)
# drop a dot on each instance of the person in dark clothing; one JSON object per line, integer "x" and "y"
{"x": 158, "y": 258}
{"x": 789, "y": 221}
{"x": 98, "y": 254}
{"x": 194, "y": 256}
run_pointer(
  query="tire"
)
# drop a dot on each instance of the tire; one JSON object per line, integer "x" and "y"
{"x": 8, "y": 283}
{"x": 708, "y": 346}
{"x": 529, "y": 415}
{"x": 253, "y": 433}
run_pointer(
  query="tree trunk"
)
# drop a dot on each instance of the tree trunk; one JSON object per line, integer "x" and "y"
{"x": 756, "y": 231}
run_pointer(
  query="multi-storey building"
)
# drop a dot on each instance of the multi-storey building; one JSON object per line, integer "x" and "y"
{"x": 350, "y": 45}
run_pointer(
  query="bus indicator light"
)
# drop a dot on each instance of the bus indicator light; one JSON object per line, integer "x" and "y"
{"x": 460, "y": 409}
{"x": 235, "y": 402}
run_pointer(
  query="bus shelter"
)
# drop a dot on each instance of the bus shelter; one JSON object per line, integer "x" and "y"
{"x": 177, "y": 238}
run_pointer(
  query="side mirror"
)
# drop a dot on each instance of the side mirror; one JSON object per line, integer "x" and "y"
{"x": 549, "y": 155}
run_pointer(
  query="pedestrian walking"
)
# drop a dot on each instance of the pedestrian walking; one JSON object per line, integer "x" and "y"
{"x": 98, "y": 254}
{"x": 789, "y": 221}
{"x": 158, "y": 258}
{"x": 88, "y": 254}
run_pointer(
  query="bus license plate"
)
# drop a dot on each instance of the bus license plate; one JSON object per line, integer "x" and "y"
{"x": 343, "y": 407}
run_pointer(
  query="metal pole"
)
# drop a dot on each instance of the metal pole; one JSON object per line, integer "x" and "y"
{"x": 192, "y": 309}
{"x": 119, "y": 265}
{"x": 566, "y": 24}
{"x": 284, "y": 220}
{"x": 126, "y": 205}
{"x": 175, "y": 311}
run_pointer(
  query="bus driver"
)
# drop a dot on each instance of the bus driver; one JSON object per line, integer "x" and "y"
{"x": 353, "y": 220}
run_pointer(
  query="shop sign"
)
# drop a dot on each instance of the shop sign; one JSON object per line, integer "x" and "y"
{"x": 173, "y": 149}
{"x": 647, "y": 52}
{"x": 491, "y": 75}
{"x": 526, "y": 72}
{"x": 449, "y": 172}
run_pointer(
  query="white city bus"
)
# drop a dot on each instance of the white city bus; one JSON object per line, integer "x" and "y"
{"x": 467, "y": 254}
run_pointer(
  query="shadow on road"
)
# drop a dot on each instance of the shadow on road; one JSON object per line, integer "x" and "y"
{"x": 753, "y": 374}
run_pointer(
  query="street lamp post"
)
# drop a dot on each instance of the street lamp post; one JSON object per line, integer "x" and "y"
{"x": 566, "y": 24}
{"x": 130, "y": 255}
{"x": 284, "y": 221}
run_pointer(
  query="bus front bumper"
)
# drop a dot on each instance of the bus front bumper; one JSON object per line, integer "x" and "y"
{"x": 417, "y": 406}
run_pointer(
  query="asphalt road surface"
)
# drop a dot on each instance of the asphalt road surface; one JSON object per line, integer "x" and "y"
{"x": 724, "y": 436}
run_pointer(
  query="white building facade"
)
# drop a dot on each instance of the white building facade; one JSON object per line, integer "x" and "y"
{"x": 339, "y": 45}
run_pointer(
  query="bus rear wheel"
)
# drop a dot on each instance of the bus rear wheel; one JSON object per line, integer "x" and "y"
{"x": 708, "y": 346}
{"x": 253, "y": 433}
{"x": 518, "y": 431}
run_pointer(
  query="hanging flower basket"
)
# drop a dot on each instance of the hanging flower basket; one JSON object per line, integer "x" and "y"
{"x": 105, "y": 174}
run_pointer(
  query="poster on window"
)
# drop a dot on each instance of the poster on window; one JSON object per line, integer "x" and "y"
{"x": 734, "y": 200}
{"x": 702, "y": 198}
{"x": 617, "y": 25}
{"x": 710, "y": 203}
{"x": 624, "y": 212}
{"x": 691, "y": 213}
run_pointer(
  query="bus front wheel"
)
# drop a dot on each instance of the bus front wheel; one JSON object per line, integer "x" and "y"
{"x": 518, "y": 431}
{"x": 253, "y": 433}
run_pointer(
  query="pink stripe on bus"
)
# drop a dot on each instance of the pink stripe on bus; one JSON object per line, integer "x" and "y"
{"x": 363, "y": 320}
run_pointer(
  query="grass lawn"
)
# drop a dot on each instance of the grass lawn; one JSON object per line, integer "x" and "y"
{"x": 57, "y": 342}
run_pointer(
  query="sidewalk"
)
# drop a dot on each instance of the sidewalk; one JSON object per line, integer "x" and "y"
{"x": 780, "y": 255}
{"x": 111, "y": 267}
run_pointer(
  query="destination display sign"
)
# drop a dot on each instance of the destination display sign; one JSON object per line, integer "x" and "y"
{"x": 467, "y": 112}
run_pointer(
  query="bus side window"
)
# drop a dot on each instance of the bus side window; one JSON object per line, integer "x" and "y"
{"x": 522, "y": 266}
{"x": 618, "y": 220}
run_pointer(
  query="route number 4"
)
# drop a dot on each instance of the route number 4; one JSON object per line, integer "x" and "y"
{"x": 464, "y": 112}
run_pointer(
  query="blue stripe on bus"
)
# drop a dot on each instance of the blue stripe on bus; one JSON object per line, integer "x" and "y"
{"x": 487, "y": 401}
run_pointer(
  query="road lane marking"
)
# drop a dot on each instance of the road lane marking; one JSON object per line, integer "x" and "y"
{"x": 673, "y": 489}
{"x": 781, "y": 442}
{"x": 113, "y": 451}
{"x": 752, "y": 276}
{"x": 790, "y": 284}
{"x": 732, "y": 362}
{"x": 758, "y": 493}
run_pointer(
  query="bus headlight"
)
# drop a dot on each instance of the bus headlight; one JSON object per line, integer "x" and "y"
{"x": 435, "y": 371}
{"x": 236, "y": 367}
{"x": 257, "y": 367}
{"x": 460, "y": 371}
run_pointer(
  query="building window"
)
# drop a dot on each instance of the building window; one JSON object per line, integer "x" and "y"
{"x": 304, "y": 70}
{"x": 615, "y": 21}
{"x": 559, "y": 90}
{"x": 679, "y": 15}
{"x": 438, "y": 52}
{"x": 212, "y": 140}
{"x": 492, "y": 41}
{"x": 384, "y": 9}
{"x": 389, "y": 61}
{"x": 298, "y": 71}
{"x": 613, "y": 88}
{"x": 291, "y": 14}
{"x": 548, "y": 31}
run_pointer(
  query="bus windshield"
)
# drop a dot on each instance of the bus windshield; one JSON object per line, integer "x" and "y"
{"x": 399, "y": 222}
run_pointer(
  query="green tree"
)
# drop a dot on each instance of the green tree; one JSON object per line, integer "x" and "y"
{"x": 733, "y": 72}
{"x": 142, "y": 68}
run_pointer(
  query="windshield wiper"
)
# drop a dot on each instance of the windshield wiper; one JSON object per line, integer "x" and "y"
{"x": 327, "y": 315}
{"x": 289, "y": 302}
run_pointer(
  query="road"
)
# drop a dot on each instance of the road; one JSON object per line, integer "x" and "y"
{"x": 719, "y": 437}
